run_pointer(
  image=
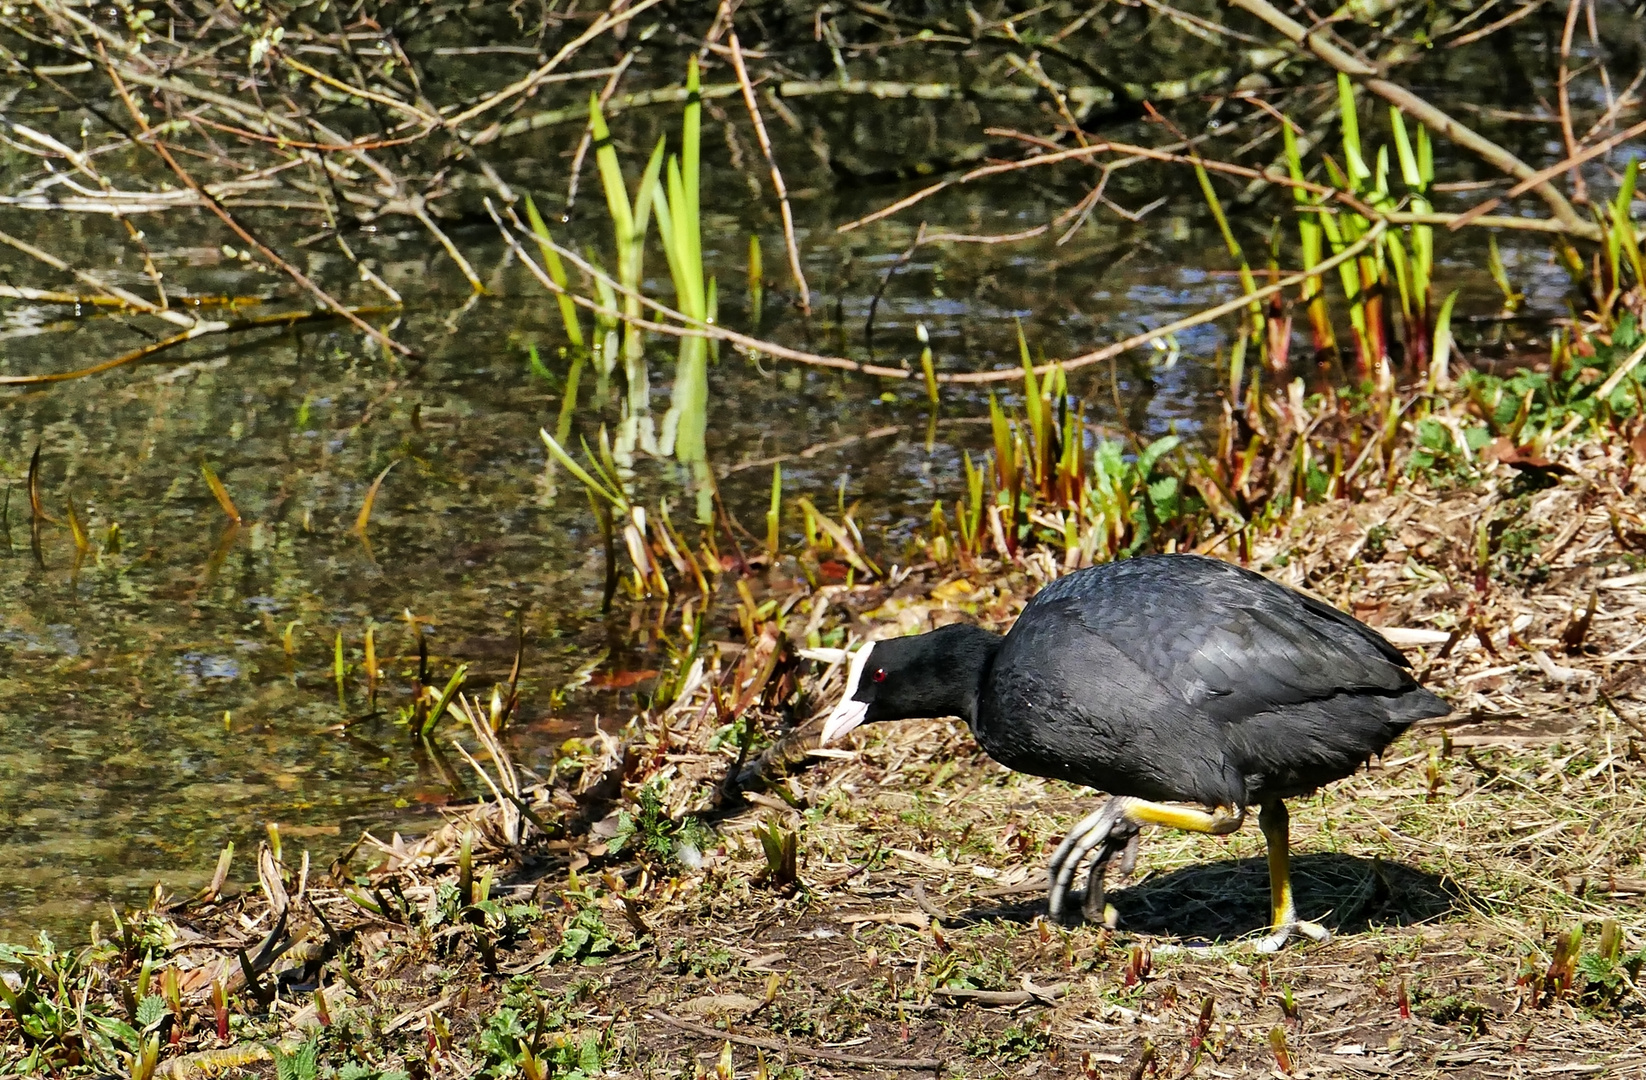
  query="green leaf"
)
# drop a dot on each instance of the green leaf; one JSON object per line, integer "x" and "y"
{"x": 1156, "y": 450}
{"x": 589, "y": 1058}
{"x": 536, "y": 364}
{"x": 300, "y": 1064}
{"x": 151, "y": 1010}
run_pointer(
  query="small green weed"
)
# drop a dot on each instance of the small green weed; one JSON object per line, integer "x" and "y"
{"x": 300, "y": 1064}
{"x": 649, "y": 830}
{"x": 1609, "y": 975}
{"x": 586, "y": 938}
{"x": 1017, "y": 1043}
{"x": 704, "y": 959}
{"x": 1438, "y": 457}
{"x": 526, "y": 1037}
{"x": 1529, "y": 403}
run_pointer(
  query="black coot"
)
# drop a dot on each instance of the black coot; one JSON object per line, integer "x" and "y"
{"x": 1165, "y": 678}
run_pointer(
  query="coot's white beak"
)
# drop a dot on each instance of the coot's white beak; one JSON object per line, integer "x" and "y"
{"x": 850, "y": 712}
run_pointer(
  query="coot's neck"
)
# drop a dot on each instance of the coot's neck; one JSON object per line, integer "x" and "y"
{"x": 966, "y": 657}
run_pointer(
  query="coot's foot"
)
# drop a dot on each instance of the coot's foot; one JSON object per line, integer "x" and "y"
{"x": 1113, "y": 829}
{"x": 1107, "y": 829}
{"x": 1277, "y": 940}
{"x": 1124, "y": 841}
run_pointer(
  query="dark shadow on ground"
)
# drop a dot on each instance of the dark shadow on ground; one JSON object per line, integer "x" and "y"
{"x": 1227, "y": 900}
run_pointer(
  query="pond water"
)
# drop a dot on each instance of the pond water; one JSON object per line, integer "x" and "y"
{"x": 149, "y": 712}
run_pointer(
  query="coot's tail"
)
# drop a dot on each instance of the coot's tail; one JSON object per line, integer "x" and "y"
{"x": 1295, "y": 750}
{"x": 1415, "y": 704}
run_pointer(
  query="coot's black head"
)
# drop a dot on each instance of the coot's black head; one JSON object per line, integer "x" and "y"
{"x": 929, "y": 675}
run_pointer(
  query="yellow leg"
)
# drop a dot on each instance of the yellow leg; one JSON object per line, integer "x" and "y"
{"x": 1220, "y": 821}
{"x": 1276, "y": 825}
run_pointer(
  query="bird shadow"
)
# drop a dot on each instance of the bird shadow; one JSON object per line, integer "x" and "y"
{"x": 1222, "y": 901}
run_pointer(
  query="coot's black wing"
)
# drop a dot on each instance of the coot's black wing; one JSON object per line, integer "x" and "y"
{"x": 1228, "y": 643}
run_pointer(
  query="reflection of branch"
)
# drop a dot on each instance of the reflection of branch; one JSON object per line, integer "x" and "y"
{"x": 200, "y": 330}
{"x": 129, "y": 299}
{"x": 1084, "y": 99}
{"x": 1324, "y": 44}
{"x": 607, "y": 21}
{"x": 690, "y": 328}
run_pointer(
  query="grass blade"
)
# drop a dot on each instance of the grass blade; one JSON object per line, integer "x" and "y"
{"x": 557, "y": 274}
{"x": 36, "y": 506}
{"x": 775, "y": 512}
{"x": 220, "y": 492}
{"x": 364, "y": 519}
{"x": 82, "y": 541}
{"x": 595, "y": 486}
{"x": 440, "y": 704}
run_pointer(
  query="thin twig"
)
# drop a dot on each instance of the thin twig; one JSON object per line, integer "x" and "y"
{"x": 360, "y": 92}
{"x": 1473, "y": 215}
{"x": 885, "y": 280}
{"x": 777, "y": 177}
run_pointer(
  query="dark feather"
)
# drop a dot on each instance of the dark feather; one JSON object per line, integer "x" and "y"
{"x": 1187, "y": 678}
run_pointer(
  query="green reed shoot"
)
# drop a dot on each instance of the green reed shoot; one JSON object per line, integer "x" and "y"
{"x": 340, "y": 670}
{"x": 820, "y": 525}
{"x": 774, "y": 513}
{"x": 607, "y": 345}
{"x": 465, "y": 867}
{"x": 1622, "y": 246}
{"x": 603, "y": 481}
{"x": 630, "y": 222}
{"x": 1441, "y": 354}
{"x": 439, "y": 708}
{"x": 1513, "y": 299}
{"x": 1310, "y": 238}
{"x": 1361, "y": 277}
{"x": 969, "y": 516}
{"x": 679, "y": 225}
{"x": 1033, "y": 404}
{"x": 535, "y": 365}
{"x": 926, "y": 368}
{"x": 557, "y": 274}
{"x": 1354, "y": 160}
{"x": 1414, "y": 274}
{"x": 1247, "y": 282}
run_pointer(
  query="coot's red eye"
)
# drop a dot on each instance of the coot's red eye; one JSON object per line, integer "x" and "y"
{"x": 879, "y": 674}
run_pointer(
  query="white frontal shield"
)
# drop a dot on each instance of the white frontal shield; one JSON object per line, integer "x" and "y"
{"x": 850, "y": 712}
